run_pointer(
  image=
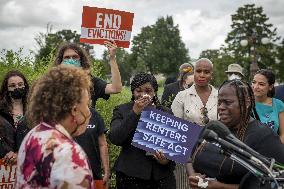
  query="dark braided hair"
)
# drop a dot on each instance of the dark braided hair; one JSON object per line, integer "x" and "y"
{"x": 243, "y": 92}
{"x": 142, "y": 78}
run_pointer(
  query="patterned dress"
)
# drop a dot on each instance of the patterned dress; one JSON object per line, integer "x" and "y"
{"x": 50, "y": 158}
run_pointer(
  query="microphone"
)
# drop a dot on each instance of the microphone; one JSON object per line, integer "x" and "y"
{"x": 223, "y": 132}
{"x": 229, "y": 148}
{"x": 252, "y": 163}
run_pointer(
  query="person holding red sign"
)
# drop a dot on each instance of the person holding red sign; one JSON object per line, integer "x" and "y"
{"x": 73, "y": 54}
{"x": 135, "y": 168}
{"x": 49, "y": 157}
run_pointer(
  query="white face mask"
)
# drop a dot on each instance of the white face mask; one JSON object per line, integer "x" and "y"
{"x": 234, "y": 76}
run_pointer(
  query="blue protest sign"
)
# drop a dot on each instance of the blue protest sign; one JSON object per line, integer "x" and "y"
{"x": 158, "y": 130}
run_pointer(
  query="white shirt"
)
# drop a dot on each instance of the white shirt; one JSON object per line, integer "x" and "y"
{"x": 187, "y": 105}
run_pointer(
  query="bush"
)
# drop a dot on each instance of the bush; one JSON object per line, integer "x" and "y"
{"x": 10, "y": 60}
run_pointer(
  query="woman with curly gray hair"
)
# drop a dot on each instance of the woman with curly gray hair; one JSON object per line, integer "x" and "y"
{"x": 49, "y": 157}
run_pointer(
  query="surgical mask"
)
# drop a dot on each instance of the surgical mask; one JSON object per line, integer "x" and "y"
{"x": 18, "y": 93}
{"x": 73, "y": 62}
{"x": 234, "y": 76}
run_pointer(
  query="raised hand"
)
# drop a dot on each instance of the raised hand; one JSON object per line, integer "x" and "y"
{"x": 111, "y": 45}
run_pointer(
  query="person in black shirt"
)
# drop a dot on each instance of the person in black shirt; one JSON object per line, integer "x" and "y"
{"x": 279, "y": 92}
{"x": 235, "y": 103}
{"x": 94, "y": 144}
{"x": 135, "y": 168}
{"x": 185, "y": 80}
{"x": 7, "y": 137}
{"x": 73, "y": 54}
{"x": 13, "y": 100}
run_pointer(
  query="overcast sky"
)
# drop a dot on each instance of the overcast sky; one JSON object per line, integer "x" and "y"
{"x": 203, "y": 24}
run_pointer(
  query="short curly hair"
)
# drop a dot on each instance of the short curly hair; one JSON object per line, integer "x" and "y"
{"x": 142, "y": 78}
{"x": 54, "y": 94}
{"x": 84, "y": 58}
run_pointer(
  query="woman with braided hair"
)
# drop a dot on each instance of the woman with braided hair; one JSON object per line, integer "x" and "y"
{"x": 135, "y": 168}
{"x": 235, "y": 104}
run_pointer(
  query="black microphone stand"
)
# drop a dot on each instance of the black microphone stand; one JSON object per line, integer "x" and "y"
{"x": 246, "y": 159}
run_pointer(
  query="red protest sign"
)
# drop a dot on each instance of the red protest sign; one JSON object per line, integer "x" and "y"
{"x": 100, "y": 24}
{"x": 7, "y": 175}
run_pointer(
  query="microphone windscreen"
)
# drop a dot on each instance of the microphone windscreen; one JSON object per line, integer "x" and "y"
{"x": 209, "y": 135}
{"x": 219, "y": 128}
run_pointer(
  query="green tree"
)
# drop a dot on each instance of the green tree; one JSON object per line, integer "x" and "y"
{"x": 124, "y": 64}
{"x": 48, "y": 42}
{"x": 159, "y": 47}
{"x": 251, "y": 24}
{"x": 15, "y": 60}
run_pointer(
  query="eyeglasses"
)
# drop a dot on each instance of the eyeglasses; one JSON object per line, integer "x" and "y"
{"x": 14, "y": 85}
{"x": 204, "y": 113}
{"x": 74, "y": 57}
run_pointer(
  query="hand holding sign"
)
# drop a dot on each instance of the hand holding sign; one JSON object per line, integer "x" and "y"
{"x": 158, "y": 130}
{"x": 111, "y": 45}
{"x": 10, "y": 158}
{"x": 7, "y": 175}
{"x": 160, "y": 157}
{"x": 100, "y": 24}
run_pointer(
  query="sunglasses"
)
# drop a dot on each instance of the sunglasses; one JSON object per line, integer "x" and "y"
{"x": 204, "y": 113}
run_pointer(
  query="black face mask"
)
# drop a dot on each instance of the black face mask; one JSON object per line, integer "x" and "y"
{"x": 18, "y": 93}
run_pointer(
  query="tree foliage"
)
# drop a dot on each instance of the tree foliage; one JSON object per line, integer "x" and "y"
{"x": 15, "y": 60}
{"x": 49, "y": 42}
{"x": 251, "y": 23}
{"x": 159, "y": 48}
